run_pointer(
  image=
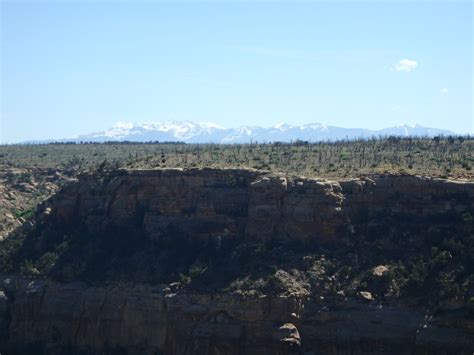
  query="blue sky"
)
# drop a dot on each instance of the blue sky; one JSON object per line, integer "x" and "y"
{"x": 78, "y": 67}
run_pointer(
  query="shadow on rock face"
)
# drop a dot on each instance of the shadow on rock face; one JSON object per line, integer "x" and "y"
{"x": 237, "y": 261}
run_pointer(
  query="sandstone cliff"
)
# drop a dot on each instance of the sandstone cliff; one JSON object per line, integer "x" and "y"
{"x": 265, "y": 264}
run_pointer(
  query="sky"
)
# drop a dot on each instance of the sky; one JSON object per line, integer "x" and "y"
{"x": 76, "y": 67}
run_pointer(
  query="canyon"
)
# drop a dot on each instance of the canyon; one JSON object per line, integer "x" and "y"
{"x": 241, "y": 261}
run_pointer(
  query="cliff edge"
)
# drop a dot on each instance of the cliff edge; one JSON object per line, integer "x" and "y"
{"x": 235, "y": 261}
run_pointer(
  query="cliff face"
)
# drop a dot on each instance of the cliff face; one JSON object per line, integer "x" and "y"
{"x": 324, "y": 241}
{"x": 241, "y": 203}
{"x": 208, "y": 203}
{"x": 73, "y": 318}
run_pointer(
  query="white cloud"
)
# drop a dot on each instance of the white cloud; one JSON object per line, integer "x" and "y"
{"x": 444, "y": 91}
{"x": 406, "y": 65}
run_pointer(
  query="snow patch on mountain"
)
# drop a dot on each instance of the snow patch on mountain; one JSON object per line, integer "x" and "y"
{"x": 208, "y": 132}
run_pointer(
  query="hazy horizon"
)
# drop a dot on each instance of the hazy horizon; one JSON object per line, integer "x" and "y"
{"x": 74, "y": 68}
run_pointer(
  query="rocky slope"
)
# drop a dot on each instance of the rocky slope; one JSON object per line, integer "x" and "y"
{"x": 21, "y": 189}
{"x": 242, "y": 262}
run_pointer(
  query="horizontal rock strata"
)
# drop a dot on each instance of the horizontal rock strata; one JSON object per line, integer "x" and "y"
{"x": 199, "y": 205}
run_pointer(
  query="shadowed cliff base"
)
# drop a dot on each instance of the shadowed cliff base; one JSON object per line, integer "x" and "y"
{"x": 238, "y": 261}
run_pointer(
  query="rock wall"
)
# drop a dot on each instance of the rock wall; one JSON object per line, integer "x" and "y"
{"x": 52, "y": 318}
{"x": 48, "y": 318}
{"x": 204, "y": 203}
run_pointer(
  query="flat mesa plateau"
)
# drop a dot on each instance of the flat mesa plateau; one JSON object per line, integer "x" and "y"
{"x": 239, "y": 261}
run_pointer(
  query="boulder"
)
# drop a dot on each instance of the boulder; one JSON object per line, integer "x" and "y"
{"x": 379, "y": 270}
{"x": 288, "y": 334}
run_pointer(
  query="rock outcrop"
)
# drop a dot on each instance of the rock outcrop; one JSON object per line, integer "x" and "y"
{"x": 193, "y": 207}
{"x": 206, "y": 203}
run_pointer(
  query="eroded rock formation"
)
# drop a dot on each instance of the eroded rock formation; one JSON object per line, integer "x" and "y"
{"x": 204, "y": 203}
{"x": 81, "y": 312}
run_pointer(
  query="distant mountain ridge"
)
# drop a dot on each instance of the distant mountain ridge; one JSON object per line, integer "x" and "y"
{"x": 207, "y": 132}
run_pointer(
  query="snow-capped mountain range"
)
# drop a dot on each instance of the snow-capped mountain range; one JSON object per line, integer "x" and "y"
{"x": 207, "y": 132}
